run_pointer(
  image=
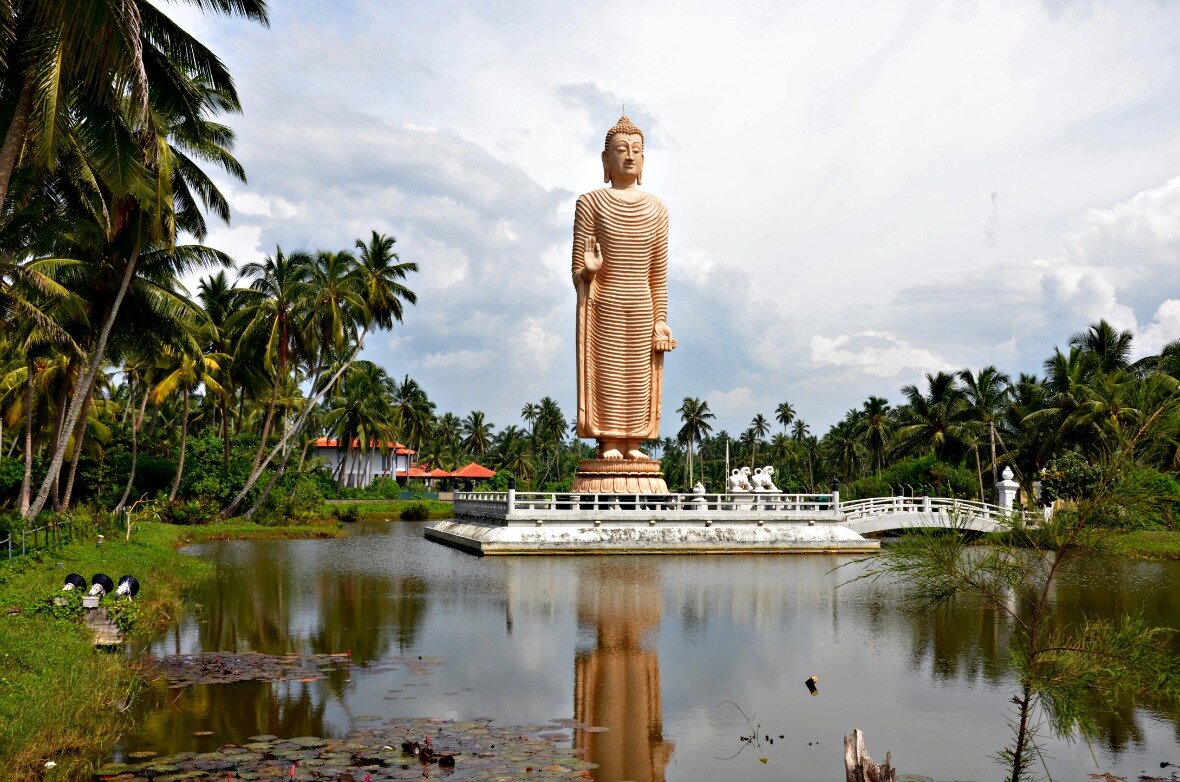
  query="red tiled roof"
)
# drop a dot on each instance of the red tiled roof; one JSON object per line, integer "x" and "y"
{"x": 331, "y": 442}
{"x": 473, "y": 470}
{"x": 439, "y": 472}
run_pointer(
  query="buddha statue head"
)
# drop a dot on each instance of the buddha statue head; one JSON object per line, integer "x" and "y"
{"x": 622, "y": 154}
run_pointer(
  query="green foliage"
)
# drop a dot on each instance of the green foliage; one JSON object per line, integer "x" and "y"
{"x": 1141, "y": 499}
{"x": 197, "y": 511}
{"x": 12, "y": 473}
{"x": 347, "y": 513}
{"x": 922, "y": 474}
{"x": 419, "y": 511}
{"x": 124, "y": 614}
{"x": 1069, "y": 477}
{"x": 65, "y": 606}
{"x": 499, "y": 482}
{"x": 206, "y": 474}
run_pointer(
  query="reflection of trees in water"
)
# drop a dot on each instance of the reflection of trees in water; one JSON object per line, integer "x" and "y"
{"x": 617, "y": 674}
{"x": 232, "y": 711}
{"x": 966, "y": 641}
{"x": 369, "y": 614}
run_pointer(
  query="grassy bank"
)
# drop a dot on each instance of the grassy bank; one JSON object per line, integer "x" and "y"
{"x": 62, "y": 700}
{"x": 1149, "y": 545}
{"x": 373, "y": 510}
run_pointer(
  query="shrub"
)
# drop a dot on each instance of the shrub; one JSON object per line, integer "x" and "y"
{"x": 198, "y": 511}
{"x": 124, "y": 614}
{"x": 59, "y": 605}
{"x": 416, "y": 512}
{"x": 349, "y": 513}
{"x": 1069, "y": 477}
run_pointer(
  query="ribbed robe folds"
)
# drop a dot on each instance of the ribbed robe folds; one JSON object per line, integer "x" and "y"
{"x": 619, "y": 373}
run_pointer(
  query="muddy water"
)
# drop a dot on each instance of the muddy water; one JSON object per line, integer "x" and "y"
{"x": 680, "y": 658}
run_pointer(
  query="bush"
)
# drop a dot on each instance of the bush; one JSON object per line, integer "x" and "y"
{"x": 59, "y": 605}
{"x": 349, "y": 513}
{"x": 416, "y": 512}
{"x": 923, "y": 474}
{"x": 124, "y": 614}
{"x": 1069, "y": 477}
{"x": 198, "y": 511}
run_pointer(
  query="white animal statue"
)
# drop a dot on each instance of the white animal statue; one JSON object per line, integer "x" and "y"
{"x": 739, "y": 480}
{"x": 699, "y": 502}
{"x": 763, "y": 479}
{"x": 699, "y": 488}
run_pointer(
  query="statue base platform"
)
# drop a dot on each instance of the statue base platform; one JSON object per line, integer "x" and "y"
{"x": 619, "y": 476}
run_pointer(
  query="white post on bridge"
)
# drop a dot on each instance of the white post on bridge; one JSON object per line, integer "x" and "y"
{"x": 1006, "y": 489}
{"x": 511, "y": 493}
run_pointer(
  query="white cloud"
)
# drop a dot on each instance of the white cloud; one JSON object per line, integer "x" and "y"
{"x": 876, "y": 353}
{"x": 1164, "y": 328}
{"x": 832, "y": 180}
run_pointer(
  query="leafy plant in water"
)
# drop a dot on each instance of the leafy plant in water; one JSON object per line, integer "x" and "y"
{"x": 1067, "y": 675}
{"x": 349, "y": 513}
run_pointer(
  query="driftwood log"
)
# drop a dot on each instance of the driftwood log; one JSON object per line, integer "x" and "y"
{"x": 859, "y": 767}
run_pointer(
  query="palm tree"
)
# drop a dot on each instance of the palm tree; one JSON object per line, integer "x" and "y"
{"x": 1110, "y": 348}
{"x": 194, "y": 364}
{"x": 510, "y": 452}
{"x": 134, "y": 213}
{"x": 269, "y": 324}
{"x": 695, "y": 416}
{"x": 477, "y": 433}
{"x": 784, "y": 414}
{"x": 987, "y": 393}
{"x": 65, "y": 63}
{"x": 529, "y": 413}
{"x": 933, "y": 421}
{"x": 414, "y": 413}
{"x": 875, "y": 426}
{"x": 362, "y": 413}
{"x": 380, "y": 271}
{"x": 759, "y": 428}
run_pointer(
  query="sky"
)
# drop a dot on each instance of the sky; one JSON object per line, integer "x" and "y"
{"x": 859, "y": 192}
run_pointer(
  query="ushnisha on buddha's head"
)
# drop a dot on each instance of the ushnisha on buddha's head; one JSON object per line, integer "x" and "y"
{"x": 622, "y": 155}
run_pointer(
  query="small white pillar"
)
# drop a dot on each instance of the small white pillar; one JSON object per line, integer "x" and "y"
{"x": 1006, "y": 489}
{"x": 511, "y": 494}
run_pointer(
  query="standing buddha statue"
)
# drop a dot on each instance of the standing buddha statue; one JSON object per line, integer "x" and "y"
{"x": 620, "y": 269}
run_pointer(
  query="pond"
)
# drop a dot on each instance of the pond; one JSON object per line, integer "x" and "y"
{"x": 666, "y": 653}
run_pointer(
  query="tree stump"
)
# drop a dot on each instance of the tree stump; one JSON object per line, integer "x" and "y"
{"x": 859, "y": 767}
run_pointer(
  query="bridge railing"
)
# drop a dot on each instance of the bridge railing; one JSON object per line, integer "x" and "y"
{"x": 496, "y": 504}
{"x": 878, "y": 506}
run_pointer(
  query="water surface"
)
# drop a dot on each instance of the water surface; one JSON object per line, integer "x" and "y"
{"x": 663, "y": 651}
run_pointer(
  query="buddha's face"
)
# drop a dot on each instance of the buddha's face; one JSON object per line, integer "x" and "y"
{"x": 623, "y": 159}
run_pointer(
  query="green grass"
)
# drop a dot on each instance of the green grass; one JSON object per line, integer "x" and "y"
{"x": 1144, "y": 544}
{"x": 388, "y": 509}
{"x": 239, "y": 529}
{"x": 62, "y": 700}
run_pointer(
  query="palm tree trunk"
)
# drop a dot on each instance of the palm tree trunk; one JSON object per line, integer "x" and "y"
{"x": 134, "y": 450}
{"x": 76, "y": 455}
{"x": 271, "y": 484}
{"x": 299, "y": 469}
{"x": 183, "y": 442}
{"x": 27, "y": 483}
{"x": 63, "y": 395}
{"x": 130, "y": 400}
{"x": 59, "y": 451}
{"x": 14, "y": 139}
{"x": 266, "y": 424}
{"x": 979, "y": 472}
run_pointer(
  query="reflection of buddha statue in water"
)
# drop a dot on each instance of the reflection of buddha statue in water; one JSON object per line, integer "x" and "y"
{"x": 617, "y": 680}
{"x": 620, "y": 267}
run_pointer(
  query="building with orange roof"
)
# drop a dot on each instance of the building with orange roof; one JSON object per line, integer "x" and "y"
{"x": 356, "y": 467}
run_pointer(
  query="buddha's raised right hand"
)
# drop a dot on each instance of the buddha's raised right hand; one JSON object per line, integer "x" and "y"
{"x": 591, "y": 258}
